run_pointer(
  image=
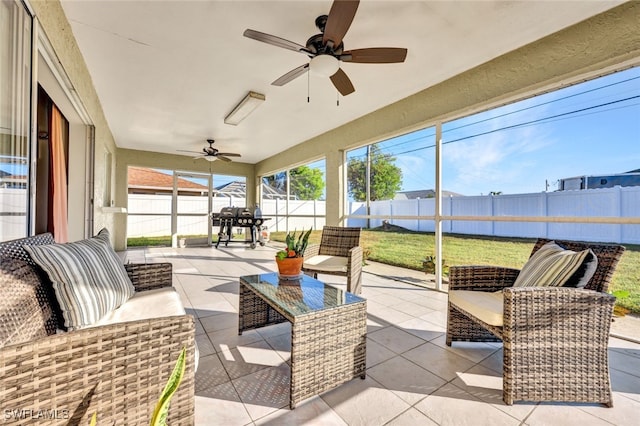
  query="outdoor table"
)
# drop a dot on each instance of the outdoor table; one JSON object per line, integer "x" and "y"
{"x": 328, "y": 328}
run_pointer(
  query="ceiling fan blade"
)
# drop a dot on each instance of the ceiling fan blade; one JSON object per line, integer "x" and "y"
{"x": 340, "y": 17}
{"x": 291, "y": 75}
{"x": 220, "y": 157}
{"x": 375, "y": 55}
{"x": 275, "y": 41}
{"x": 191, "y": 152}
{"x": 342, "y": 83}
{"x": 229, "y": 154}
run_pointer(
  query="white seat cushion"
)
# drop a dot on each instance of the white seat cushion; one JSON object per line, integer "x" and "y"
{"x": 486, "y": 306}
{"x": 326, "y": 263}
{"x": 158, "y": 303}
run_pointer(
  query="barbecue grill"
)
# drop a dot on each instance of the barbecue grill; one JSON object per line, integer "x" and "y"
{"x": 239, "y": 217}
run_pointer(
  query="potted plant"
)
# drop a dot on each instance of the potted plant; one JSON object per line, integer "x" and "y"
{"x": 289, "y": 260}
{"x": 429, "y": 264}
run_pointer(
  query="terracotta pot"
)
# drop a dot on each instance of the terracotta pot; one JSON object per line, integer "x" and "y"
{"x": 290, "y": 265}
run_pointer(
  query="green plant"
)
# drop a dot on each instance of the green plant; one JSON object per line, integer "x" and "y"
{"x": 429, "y": 264}
{"x": 161, "y": 411}
{"x": 295, "y": 246}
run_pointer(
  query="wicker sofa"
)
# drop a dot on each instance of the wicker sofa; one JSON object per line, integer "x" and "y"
{"x": 117, "y": 370}
{"x": 554, "y": 338}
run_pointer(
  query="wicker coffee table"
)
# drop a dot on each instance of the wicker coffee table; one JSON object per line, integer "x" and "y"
{"x": 328, "y": 329}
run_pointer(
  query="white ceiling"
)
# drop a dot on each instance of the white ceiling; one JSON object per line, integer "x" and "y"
{"x": 168, "y": 72}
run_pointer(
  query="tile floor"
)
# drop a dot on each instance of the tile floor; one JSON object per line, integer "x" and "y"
{"x": 413, "y": 378}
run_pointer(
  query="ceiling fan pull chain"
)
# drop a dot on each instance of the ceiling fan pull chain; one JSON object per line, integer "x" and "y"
{"x": 337, "y": 98}
{"x": 308, "y": 87}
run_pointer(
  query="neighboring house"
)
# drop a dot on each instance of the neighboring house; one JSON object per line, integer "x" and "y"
{"x": 238, "y": 189}
{"x": 631, "y": 178}
{"x": 149, "y": 181}
{"x": 422, "y": 193}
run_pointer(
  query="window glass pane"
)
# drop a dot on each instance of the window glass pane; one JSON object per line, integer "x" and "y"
{"x": 570, "y": 154}
{"x": 401, "y": 180}
{"x": 15, "y": 90}
{"x": 274, "y": 201}
{"x": 530, "y": 146}
{"x": 305, "y": 207}
{"x": 229, "y": 191}
{"x": 149, "y": 203}
{"x": 307, "y": 203}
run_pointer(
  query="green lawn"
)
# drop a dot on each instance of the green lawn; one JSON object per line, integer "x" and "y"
{"x": 407, "y": 249}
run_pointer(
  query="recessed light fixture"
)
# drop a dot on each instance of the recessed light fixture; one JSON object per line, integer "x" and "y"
{"x": 244, "y": 108}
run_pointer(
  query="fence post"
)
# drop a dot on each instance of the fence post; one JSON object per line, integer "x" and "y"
{"x": 618, "y": 213}
{"x": 492, "y": 200}
{"x": 545, "y": 212}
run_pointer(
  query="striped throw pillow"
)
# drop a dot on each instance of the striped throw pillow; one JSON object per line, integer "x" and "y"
{"x": 550, "y": 266}
{"x": 88, "y": 278}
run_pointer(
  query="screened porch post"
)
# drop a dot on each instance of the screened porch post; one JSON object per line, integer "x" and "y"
{"x": 438, "y": 206}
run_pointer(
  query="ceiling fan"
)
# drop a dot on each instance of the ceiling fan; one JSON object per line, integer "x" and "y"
{"x": 212, "y": 154}
{"x": 326, "y": 49}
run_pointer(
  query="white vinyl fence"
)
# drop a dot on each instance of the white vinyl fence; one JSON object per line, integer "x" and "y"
{"x": 150, "y": 215}
{"x": 13, "y": 216}
{"x": 615, "y": 202}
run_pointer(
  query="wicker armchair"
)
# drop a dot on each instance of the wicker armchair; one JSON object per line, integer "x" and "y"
{"x": 554, "y": 338}
{"x": 117, "y": 371}
{"x": 338, "y": 253}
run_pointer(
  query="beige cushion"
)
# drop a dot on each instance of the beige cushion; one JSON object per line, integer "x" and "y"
{"x": 158, "y": 303}
{"x": 486, "y": 306}
{"x": 326, "y": 263}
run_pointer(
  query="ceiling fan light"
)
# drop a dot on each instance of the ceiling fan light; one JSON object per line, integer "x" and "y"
{"x": 324, "y": 65}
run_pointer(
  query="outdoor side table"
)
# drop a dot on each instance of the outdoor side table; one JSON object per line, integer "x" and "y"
{"x": 328, "y": 329}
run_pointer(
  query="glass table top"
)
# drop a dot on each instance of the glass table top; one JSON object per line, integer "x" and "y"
{"x": 299, "y": 296}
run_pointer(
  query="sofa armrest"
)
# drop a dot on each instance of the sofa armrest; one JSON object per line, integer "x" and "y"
{"x": 560, "y": 330}
{"x": 564, "y": 309}
{"x": 354, "y": 265}
{"x": 117, "y": 371}
{"x": 481, "y": 278}
{"x": 312, "y": 250}
{"x": 149, "y": 276}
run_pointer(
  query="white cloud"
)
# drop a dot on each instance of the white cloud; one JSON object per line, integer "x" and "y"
{"x": 496, "y": 161}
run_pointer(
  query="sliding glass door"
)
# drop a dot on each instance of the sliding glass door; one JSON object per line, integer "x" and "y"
{"x": 15, "y": 107}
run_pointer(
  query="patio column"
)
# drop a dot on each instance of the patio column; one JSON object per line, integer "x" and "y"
{"x": 335, "y": 160}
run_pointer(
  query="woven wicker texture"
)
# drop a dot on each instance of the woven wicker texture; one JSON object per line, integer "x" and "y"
{"x": 45, "y": 294}
{"x": 340, "y": 241}
{"x": 328, "y": 345}
{"x": 13, "y": 249}
{"x": 22, "y": 316}
{"x": 117, "y": 371}
{"x": 554, "y": 338}
{"x": 149, "y": 276}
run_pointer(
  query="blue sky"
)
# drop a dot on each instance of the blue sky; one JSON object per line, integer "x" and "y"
{"x": 587, "y": 129}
